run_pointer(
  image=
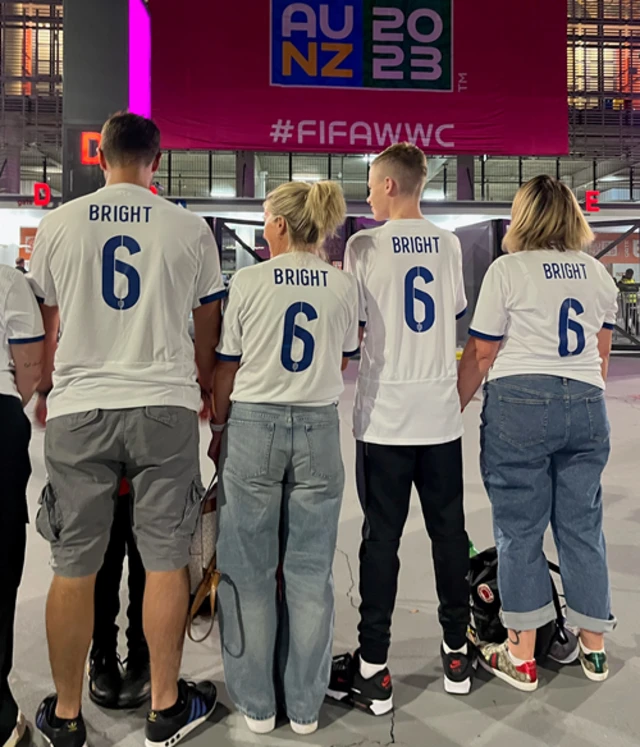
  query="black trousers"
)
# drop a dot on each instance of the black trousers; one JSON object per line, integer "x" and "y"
{"x": 15, "y": 470}
{"x": 385, "y": 477}
{"x": 107, "y": 599}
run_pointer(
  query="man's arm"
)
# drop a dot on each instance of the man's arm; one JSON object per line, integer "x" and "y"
{"x": 27, "y": 359}
{"x": 223, "y": 380}
{"x": 477, "y": 359}
{"x": 206, "y": 324}
{"x": 51, "y": 321}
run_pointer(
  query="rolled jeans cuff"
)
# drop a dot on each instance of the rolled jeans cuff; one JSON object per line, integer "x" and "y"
{"x": 529, "y": 620}
{"x": 591, "y": 624}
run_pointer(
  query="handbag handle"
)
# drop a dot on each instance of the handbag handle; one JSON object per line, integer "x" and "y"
{"x": 208, "y": 588}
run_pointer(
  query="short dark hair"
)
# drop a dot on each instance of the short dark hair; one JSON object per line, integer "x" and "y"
{"x": 128, "y": 139}
{"x": 408, "y": 165}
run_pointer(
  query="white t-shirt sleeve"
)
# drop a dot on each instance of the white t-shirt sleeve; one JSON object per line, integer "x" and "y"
{"x": 230, "y": 346}
{"x": 611, "y": 312}
{"x": 461, "y": 296}
{"x": 490, "y": 318}
{"x": 353, "y": 264}
{"x": 23, "y": 321}
{"x": 39, "y": 273}
{"x": 352, "y": 338}
{"x": 209, "y": 283}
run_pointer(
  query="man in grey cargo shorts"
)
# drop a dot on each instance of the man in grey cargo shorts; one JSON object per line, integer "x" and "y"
{"x": 119, "y": 272}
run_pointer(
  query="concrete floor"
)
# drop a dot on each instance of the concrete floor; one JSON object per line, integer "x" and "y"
{"x": 567, "y": 711}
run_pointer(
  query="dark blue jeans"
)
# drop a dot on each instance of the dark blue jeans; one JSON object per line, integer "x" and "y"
{"x": 544, "y": 446}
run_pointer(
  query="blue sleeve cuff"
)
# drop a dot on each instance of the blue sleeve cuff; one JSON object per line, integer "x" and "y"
{"x": 229, "y": 358}
{"x": 462, "y": 313}
{"x": 26, "y": 340}
{"x": 482, "y": 336}
{"x": 362, "y": 324}
{"x": 213, "y": 297}
{"x": 350, "y": 355}
{"x": 606, "y": 325}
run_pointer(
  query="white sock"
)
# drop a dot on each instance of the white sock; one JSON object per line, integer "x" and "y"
{"x": 464, "y": 650}
{"x": 370, "y": 670}
{"x": 515, "y": 660}
{"x": 588, "y": 650}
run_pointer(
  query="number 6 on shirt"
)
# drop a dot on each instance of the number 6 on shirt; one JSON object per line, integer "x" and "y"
{"x": 111, "y": 265}
{"x": 567, "y": 324}
{"x": 293, "y": 330}
{"x": 413, "y": 294}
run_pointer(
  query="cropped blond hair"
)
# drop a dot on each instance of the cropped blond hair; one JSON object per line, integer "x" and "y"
{"x": 406, "y": 164}
{"x": 312, "y": 212}
{"x": 546, "y": 215}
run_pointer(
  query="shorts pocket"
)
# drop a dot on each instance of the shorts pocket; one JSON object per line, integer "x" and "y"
{"x": 81, "y": 419}
{"x": 248, "y": 448}
{"x": 164, "y": 415}
{"x": 523, "y": 422}
{"x": 598, "y": 421}
{"x": 49, "y": 519}
{"x": 189, "y": 522}
{"x": 325, "y": 453}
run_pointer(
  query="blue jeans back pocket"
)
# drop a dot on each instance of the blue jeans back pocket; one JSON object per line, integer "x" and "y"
{"x": 249, "y": 447}
{"x": 523, "y": 422}
{"x": 598, "y": 420}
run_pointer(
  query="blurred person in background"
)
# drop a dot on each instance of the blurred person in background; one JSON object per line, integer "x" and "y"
{"x": 289, "y": 327}
{"x": 21, "y": 354}
{"x": 118, "y": 272}
{"x": 20, "y": 266}
{"x": 541, "y": 334}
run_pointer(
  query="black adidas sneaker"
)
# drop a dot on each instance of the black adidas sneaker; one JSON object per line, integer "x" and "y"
{"x": 72, "y": 733}
{"x": 199, "y": 703}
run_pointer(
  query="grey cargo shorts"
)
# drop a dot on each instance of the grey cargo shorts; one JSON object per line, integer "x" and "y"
{"x": 87, "y": 454}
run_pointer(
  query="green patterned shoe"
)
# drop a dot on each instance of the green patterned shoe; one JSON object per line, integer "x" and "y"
{"x": 494, "y": 657}
{"x": 594, "y": 665}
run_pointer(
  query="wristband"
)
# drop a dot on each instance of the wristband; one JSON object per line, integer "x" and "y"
{"x": 216, "y": 428}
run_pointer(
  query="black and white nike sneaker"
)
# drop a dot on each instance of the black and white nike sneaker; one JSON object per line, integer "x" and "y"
{"x": 199, "y": 703}
{"x": 70, "y": 733}
{"x": 374, "y": 695}
{"x": 458, "y": 670}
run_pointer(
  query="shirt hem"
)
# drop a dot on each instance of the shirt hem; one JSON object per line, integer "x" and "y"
{"x": 596, "y": 381}
{"x": 400, "y": 441}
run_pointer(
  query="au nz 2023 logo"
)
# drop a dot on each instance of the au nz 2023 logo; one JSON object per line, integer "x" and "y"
{"x": 379, "y": 44}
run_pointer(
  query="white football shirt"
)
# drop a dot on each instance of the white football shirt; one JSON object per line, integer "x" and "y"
{"x": 20, "y": 322}
{"x": 411, "y": 292}
{"x": 126, "y": 268}
{"x": 547, "y": 307}
{"x": 289, "y": 322}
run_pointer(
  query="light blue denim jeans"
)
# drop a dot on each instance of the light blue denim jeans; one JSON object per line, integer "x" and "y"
{"x": 281, "y": 486}
{"x": 544, "y": 445}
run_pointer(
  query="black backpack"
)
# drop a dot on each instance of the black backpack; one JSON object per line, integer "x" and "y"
{"x": 486, "y": 606}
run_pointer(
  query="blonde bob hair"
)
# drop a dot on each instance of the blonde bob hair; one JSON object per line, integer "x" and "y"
{"x": 546, "y": 215}
{"x": 312, "y": 212}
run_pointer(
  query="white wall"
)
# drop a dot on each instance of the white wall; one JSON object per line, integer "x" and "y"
{"x": 11, "y": 221}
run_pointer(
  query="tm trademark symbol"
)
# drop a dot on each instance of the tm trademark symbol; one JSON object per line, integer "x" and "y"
{"x": 462, "y": 82}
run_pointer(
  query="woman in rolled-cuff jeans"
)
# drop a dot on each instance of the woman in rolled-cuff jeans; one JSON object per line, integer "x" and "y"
{"x": 541, "y": 334}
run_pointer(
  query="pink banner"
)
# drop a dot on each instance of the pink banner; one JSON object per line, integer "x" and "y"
{"x": 453, "y": 76}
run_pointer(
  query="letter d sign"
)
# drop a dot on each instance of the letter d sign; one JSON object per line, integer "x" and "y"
{"x": 41, "y": 194}
{"x": 591, "y": 201}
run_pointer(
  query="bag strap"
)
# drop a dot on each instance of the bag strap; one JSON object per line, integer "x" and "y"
{"x": 208, "y": 588}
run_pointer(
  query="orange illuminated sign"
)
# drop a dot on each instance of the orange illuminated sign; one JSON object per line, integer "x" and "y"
{"x": 89, "y": 145}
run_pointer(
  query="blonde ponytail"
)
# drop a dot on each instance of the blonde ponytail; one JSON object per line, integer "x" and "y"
{"x": 312, "y": 212}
